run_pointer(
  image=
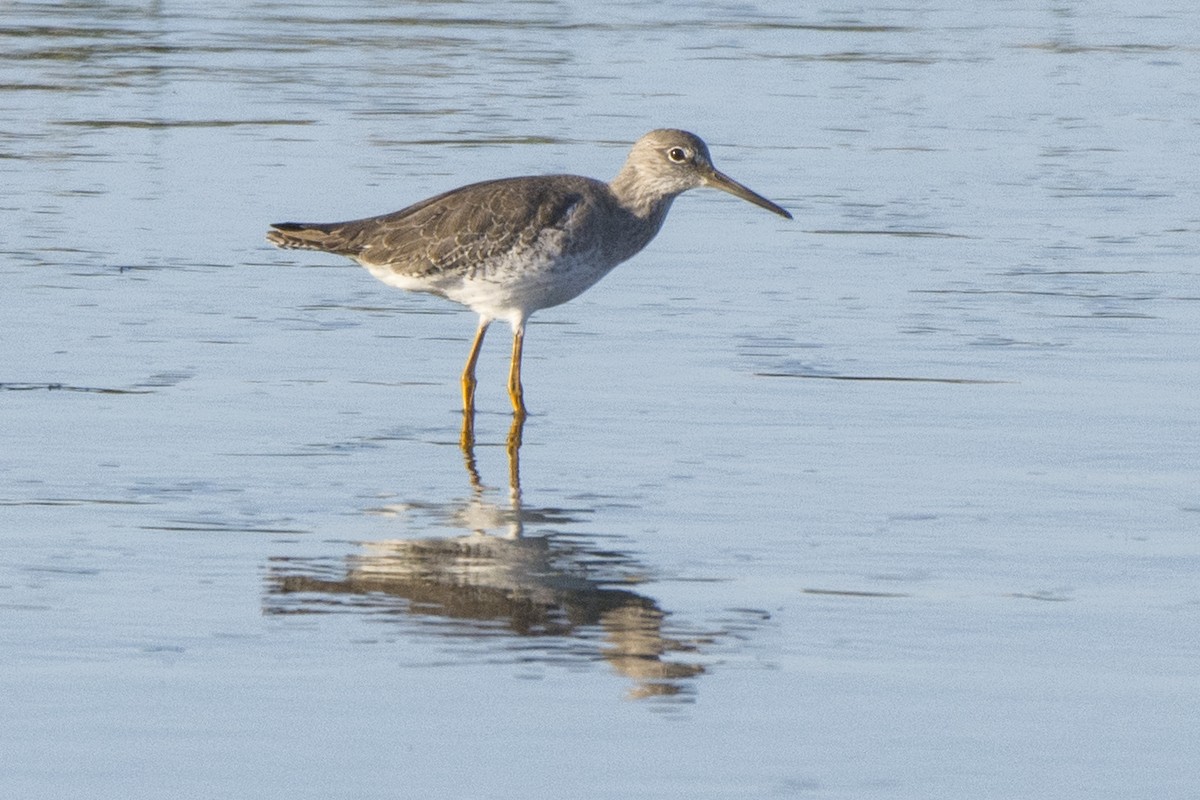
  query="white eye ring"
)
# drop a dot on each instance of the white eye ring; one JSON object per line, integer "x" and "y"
{"x": 677, "y": 154}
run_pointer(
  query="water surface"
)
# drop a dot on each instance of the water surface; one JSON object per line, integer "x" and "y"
{"x": 895, "y": 500}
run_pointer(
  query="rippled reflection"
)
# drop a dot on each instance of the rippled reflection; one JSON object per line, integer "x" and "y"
{"x": 566, "y": 590}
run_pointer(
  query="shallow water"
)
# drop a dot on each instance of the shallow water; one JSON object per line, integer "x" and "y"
{"x": 895, "y": 500}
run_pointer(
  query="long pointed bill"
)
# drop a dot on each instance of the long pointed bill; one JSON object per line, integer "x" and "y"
{"x": 719, "y": 180}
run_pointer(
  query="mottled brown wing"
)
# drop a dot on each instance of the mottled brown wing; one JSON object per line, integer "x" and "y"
{"x": 460, "y": 230}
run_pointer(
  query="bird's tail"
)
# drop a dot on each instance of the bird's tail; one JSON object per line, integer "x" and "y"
{"x": 307, "y": 236}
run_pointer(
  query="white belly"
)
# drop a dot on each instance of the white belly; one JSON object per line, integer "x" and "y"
{"x": 511, "y": 288}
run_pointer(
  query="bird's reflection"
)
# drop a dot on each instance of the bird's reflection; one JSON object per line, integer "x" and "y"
{"x": 498, "y": 579}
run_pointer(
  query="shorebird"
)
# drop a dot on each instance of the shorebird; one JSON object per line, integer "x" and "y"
{"x": 507, "y": 248}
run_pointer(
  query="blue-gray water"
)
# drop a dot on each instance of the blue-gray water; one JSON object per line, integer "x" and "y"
{"x": 898, "y": 500}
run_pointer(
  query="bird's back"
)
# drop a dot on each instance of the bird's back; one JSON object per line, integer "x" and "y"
{"x": 455, "y": 232}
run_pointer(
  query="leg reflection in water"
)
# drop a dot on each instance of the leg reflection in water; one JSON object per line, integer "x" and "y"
{"x": 513, "y": 448}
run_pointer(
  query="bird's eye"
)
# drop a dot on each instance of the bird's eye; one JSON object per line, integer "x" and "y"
{"x": 677, "y": 154}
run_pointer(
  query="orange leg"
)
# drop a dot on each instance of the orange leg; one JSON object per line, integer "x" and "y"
{"x": 515, "y": 393}
{"x": 468, "y": 376}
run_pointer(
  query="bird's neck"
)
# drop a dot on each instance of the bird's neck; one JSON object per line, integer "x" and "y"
{"x": 639, "y": 220}
{"x": 639, "y": 196}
